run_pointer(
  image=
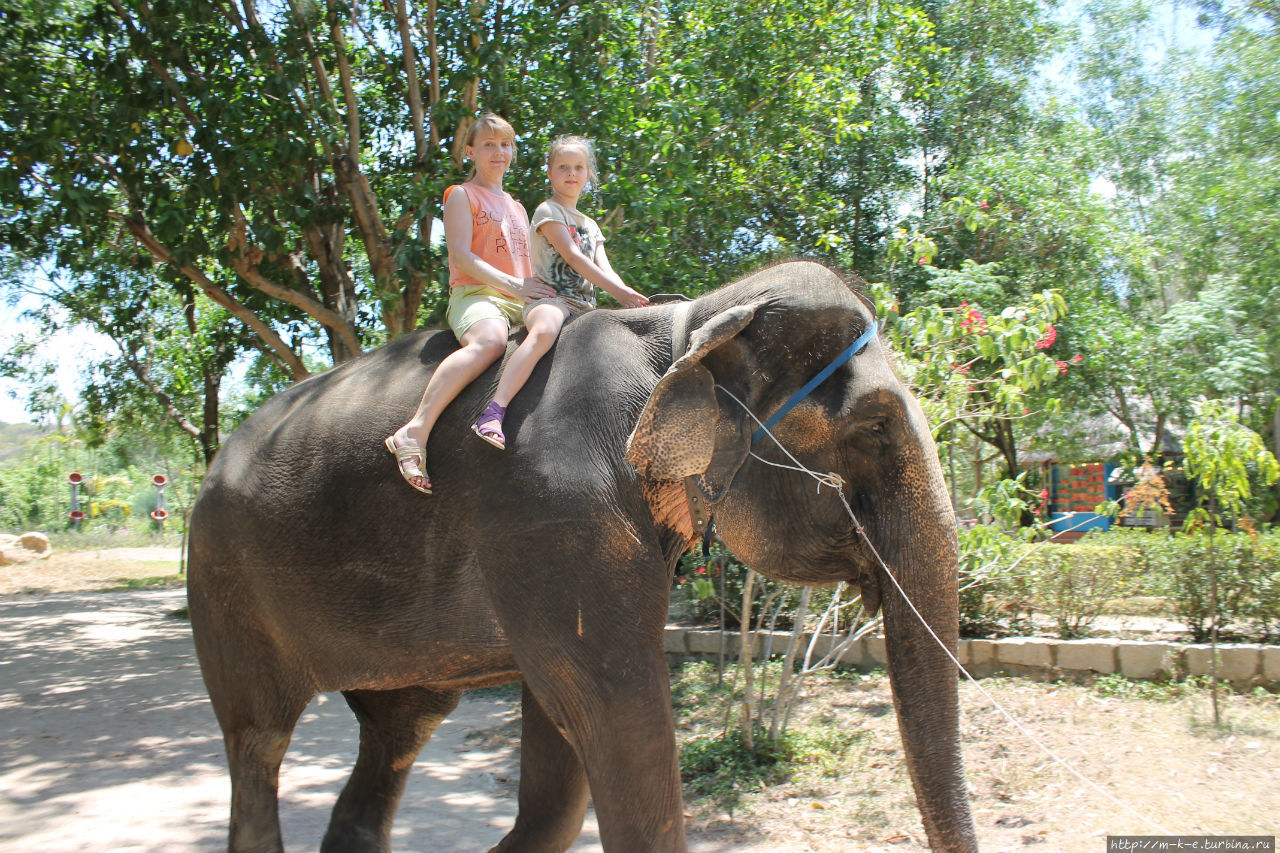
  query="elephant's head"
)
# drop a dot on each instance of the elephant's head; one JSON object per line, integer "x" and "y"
{"x": 753, "y": 345}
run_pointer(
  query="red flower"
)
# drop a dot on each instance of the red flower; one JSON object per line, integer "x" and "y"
{"x": 973, "y": 321}
{"x": 1050, "y": 335}
{"x": 921, "y": 261}
{"x": 984, "y": 205}
{"x": 960, "y": 368}
{"x": 1062, "y": 366}
{"x": 702, "y": 570}
{"x": 1077, "y": 358}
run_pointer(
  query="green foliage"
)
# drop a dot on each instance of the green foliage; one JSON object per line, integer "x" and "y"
{"x": 1119, "y": 687}
{"x": 34, "y": 494}
{"x": 723, "y": 768}
{"x": 1224, "y": 456}
{"x": 1248, "y": 577}
{"x": 990, "y": 554}
{"x": 698, "y": 581}
{"x": 972, "y": 368}
{"x": 719, "y": 765}
{"x": 116, "y": 496}
{"x": 1074, "y": 584}
{"x": 17, "y": 441}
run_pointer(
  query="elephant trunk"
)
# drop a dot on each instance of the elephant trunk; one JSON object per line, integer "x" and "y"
{"x": 925, "y": 695}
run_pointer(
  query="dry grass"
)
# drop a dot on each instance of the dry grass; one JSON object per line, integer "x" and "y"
{"x": 1159, "y": 756}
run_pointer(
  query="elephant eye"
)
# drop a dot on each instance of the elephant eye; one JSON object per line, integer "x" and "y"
{"x": 878, "y": 427}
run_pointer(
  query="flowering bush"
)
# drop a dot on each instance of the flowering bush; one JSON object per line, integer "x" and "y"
{"x": 964, "y": 363}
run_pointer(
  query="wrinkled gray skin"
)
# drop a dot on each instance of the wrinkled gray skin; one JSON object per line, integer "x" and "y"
{"x": 314, "y": 567}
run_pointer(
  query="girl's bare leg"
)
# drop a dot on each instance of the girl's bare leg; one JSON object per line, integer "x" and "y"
{"x": 482, "y": 345}
{"x": 544, "y": 323}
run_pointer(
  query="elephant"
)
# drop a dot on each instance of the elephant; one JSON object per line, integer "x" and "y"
{"x": 314, "y": 568}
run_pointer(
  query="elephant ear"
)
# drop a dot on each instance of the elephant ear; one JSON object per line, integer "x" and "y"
{"x": 676, "y": 436}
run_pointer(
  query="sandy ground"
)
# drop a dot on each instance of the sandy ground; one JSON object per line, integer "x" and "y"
{"x": 81, "y": 571}
{"x": 108, "y": 743}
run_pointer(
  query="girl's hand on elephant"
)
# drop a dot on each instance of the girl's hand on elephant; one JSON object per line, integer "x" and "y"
{"x": 633, "y": 299}
{"x": 533, "y": 288}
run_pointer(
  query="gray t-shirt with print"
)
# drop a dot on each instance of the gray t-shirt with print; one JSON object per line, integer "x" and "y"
{"x": 547, "y": 263}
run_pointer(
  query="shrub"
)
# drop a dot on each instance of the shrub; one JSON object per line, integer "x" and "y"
{"x": 989, "y": 559}
{"x": 1244, "y": 575}
{"x": 698, "y": 585}
{"x": 1075, "y": 583}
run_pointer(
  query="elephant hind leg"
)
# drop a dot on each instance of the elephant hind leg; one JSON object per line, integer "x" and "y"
{"x": 553, "y": 787}
{"x": 257, "y": 695}
{"x": 394, "y": 725}
{"x": 255, "y": 747}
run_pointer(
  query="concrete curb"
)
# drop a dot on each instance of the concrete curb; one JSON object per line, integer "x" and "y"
{"x": 1244, "y": 665}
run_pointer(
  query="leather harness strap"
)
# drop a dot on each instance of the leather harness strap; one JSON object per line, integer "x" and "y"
{"x": 699, "y": 506}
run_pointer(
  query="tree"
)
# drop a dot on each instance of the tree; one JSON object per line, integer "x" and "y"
{"x": 976, "y": 369}
{"x": 1219, "y": 454}
{"x": 1219, "y": 223}
{"x": 1189, "y": 147}
{"x": 287, "y": 163}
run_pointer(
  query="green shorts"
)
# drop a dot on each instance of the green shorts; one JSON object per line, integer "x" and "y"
{"x": 469, "y": 303}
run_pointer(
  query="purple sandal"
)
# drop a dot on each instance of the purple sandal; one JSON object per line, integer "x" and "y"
{"x": 489, "y": 425}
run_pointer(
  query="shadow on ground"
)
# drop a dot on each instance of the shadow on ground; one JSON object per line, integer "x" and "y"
{"x": 108, "y": 743}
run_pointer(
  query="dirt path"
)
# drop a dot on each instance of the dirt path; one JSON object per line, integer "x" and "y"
{"x": 107, "y": 743}
{"x": 82, "y": 571}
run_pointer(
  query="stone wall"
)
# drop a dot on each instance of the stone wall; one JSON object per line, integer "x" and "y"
{"x": 1244, "y": 665}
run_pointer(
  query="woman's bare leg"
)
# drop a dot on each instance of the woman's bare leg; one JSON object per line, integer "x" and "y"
{"x": 482, "y": 344}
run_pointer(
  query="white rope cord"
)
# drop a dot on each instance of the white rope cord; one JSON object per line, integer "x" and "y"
{"x": 835, "y": 481}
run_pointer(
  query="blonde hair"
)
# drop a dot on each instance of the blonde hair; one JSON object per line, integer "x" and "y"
{"x": 491, "y": 123}
{"x": 560, "y": 143}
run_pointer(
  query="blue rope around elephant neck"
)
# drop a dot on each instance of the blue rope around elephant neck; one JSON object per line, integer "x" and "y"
{"x": 854, "y": 348}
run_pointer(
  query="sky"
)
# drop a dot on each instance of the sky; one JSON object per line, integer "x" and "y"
{"x": 66, "y": 348}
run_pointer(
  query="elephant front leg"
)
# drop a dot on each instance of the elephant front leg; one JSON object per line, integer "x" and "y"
{"x": 394, "y": 726}
{"x": 553, "y": 787}
{"x": 617, "y": 715}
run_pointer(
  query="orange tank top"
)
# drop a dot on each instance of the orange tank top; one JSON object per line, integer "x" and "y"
{"x": 499, "y": 234}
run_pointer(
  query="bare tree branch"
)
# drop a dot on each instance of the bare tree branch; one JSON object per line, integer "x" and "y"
{"x": 142, "y": 234}
{"x": 242, "y": 261}
{"x": 171, "y": 409}
{"x": 409, "y": 54}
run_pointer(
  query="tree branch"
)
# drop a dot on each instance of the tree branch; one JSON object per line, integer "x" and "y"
{"x": 414, "y": 90}
{"x": 142, "y": 234}
{"x": 248, "y": 270}
{"x": 171, "y": 409}
{"x": 348, "y": 90}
